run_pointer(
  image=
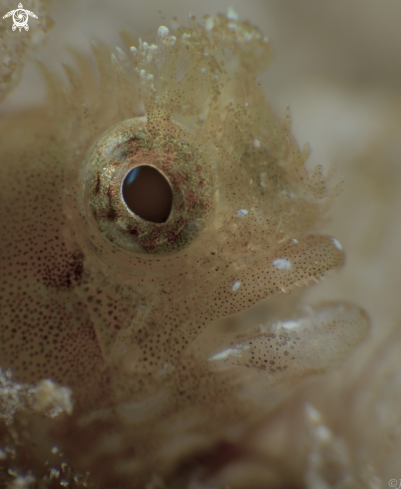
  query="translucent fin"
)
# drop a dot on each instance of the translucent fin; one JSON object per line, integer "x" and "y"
{"x": 55, "y": 92}
{"x": 78, "y": 96}
{"x": 85, "y": 69}
{"x": 317, "y": 183}
{"x": 318, "y": 338}
{"x": 287, "y": 120}
{"x": 102, "y": 56}
{"x": 293, "y": 263}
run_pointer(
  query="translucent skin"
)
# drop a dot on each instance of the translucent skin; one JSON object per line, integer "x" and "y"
{"x": 121, "y": 310}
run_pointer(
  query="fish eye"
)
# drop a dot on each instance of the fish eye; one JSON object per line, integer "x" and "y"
{"x": 148, "y": 194}
{"x": 148, "y": 187}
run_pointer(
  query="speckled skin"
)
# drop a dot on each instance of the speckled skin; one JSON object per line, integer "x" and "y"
{"x": 121, "y": 310}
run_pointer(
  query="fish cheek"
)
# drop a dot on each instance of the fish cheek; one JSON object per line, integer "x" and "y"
{"x": 45, "y": 330}
{"x": 53, "y": 339}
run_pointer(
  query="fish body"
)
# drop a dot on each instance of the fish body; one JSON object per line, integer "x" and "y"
{"x": 122, "y": 309}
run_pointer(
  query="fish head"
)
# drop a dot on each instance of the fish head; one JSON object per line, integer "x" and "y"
{"x": 139, "y": 206}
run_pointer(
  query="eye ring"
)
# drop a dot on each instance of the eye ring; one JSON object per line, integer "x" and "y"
{"x": 170, "y": 153}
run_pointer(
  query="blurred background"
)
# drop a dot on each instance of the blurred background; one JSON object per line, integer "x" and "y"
{"x": 338, "y": 66}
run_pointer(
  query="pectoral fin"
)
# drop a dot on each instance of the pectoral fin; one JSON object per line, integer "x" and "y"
{"x": 318, "y": 338}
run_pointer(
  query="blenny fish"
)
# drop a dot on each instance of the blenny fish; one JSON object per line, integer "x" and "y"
{"x": 140, "y": 205}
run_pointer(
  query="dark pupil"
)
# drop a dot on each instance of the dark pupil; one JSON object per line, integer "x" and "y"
{"x": 148, "y": 194}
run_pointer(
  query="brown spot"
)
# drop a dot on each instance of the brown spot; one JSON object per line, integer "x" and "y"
{"x": 168, "y": 159}
{"x": 180, "y": 178}
{"x": 204, "y": 205}
{"x": 111, "y": 214}
{"x": 66, "y": 274}
{"x": 150, "y": 243}
{"x": 132, "y": 141}
{"x": 173, "y": 236}
{"x": 191, "y": 199}
{"x": 133, "y": 231}
{"x": 97, "y": 185}
{"x": 109, "y": 192}
{"x": 181, "y": 223}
